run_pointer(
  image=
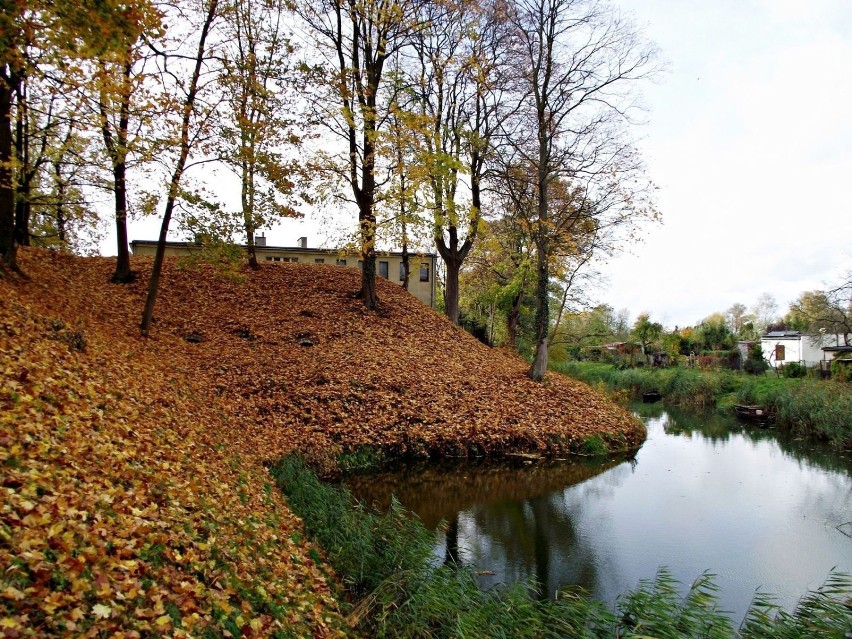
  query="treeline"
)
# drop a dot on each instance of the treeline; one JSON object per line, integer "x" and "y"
{"x": 500, "y": 313}
{"x": 493, "y": 128}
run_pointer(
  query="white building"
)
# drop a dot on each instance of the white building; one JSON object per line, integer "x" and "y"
{"x": 782, "y": 347}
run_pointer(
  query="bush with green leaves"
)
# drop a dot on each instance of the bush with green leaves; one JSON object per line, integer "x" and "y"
{"x": 794, "y": 370}
{"x": 754, "y": 363}
{"x": 841, "y": 369}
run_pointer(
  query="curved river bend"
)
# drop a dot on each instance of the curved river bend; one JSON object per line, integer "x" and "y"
{"x": 702, "y": 494}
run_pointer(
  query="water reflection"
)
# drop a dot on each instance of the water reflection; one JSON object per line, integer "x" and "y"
{"x": 703, "y": 493}
{"x": 435, "y": 490}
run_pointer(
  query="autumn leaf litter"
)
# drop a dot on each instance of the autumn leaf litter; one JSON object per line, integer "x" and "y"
{"x": 135, "y": 500}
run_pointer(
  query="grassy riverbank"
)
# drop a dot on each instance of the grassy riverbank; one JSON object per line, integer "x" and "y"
{"x": 394, "y": 591}
{"x": 821, "y": 409}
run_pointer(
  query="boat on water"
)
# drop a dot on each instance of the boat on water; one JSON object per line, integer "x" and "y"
{"x": 753, "y": 413}
{"x": 649, "y": 397}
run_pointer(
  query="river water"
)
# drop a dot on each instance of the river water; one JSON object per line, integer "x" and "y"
{"x": 704, "y": 493}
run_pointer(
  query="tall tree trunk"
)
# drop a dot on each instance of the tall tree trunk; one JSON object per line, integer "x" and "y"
{"x": 116, "y": 147}
{"x": 368, "y": 291}
{"x": 61, "y": 230}
{"x": 22, "y": 214}
{"x": 188, "y": 108}
{"x": 24, "y": 181}
{"x": 451, "y": 291}
{"x": 8, "y": 246}
{"x": 542, "y": 306}
{"x": 367, "y": 216}
{"x": 453, "y": 256}
{"x": 406, "y": 261}
{"x": 367, "y": 225}
{"x": 542, "y": 312}
{"x": 247, "y": 200}
{"x": 512, "y": 319}
{"x": 157, "y": 269}
{"x": 122, "y": 274}
{"x": 247, "y": 188}
{"x": 252, "y": 254}
{"x": 542, "y": 229}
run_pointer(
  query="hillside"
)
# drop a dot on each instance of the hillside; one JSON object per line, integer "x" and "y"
{"x": 134, "y": 492}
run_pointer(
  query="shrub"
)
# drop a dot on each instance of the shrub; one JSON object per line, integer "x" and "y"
{"x": 794, "y": 370}
{"x": 621, "y": 364}
{"x": 811, "y": 407}
{"x": 755, "y": 364}
{"x": 475, "y": 327}
{"x": 841, "y": 369}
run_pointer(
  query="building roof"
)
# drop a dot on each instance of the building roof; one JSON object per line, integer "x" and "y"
{"x": 289, "y": 249}
{"x": 838, "y": 349}
{"x": 782, "y": 334}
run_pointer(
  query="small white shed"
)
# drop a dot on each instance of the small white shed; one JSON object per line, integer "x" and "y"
{"x": 782, "y": 347}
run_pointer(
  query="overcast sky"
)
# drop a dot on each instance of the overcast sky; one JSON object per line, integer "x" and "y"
{"x": 749, "y": 138}
{"x": 750, "y": 141}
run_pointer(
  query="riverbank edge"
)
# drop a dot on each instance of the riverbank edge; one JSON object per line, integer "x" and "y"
{"x": 391, "y": 589}
{"x": 331, "y": 465}
{"x": 817, "y": 409}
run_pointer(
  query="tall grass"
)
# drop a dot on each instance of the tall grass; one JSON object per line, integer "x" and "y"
{"x": 809, "y": 407}
{"x": 680, "y": 386}
{"x": 821, "y": 409}
{"x": 394, "y": 591}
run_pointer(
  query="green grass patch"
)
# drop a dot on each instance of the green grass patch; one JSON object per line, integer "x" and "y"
{"x": 395, "y": 591}
{"x": 364, "y": 459}
{"x": 595, "y": 446}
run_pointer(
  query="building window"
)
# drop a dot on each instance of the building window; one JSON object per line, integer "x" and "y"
{"x": 779, "y": 352}
{"x": 383, "y": 269}
{"x": 402, "y": 271}
{"x": 319, "y": 260}
{"x": 424, "y": 271}
{"x": 341, "y": 262}
{"x": 291, "y": 259}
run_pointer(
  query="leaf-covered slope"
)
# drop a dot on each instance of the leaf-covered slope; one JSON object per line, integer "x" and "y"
{"x": 293, "y": 352}
{"x": 123, "y": 509}
{"x": 297, "y": 361}
{"x": 134, "y": 495}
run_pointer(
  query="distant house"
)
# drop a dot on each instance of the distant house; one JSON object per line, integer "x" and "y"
{"x": 620, "y": 348}
{"x": 830, "y": 352}
{"x": 421, "y": 280}
{"x": 782, "y": 347}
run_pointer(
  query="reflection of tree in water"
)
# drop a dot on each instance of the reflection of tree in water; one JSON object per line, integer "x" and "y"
{"x": 720, "y": 428}
{"x": 711, "y": 426}
{"x": 512, "y": 522}
{"x": 534, "y": 541}
{"x": 811, "y": 453}
{"x": 531, "y": 522}
{"x": 436, "y": 492}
